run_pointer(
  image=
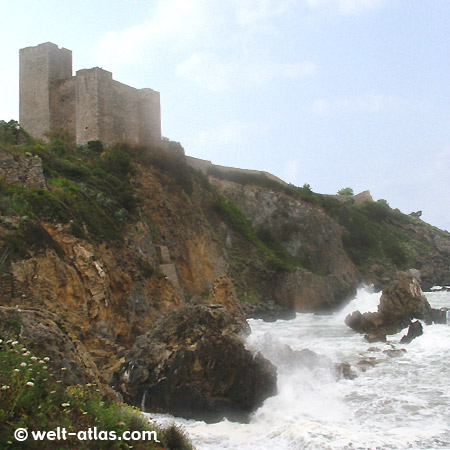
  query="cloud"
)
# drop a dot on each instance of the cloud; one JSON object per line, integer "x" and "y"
{"x": 220, "y": 74}
{"x": 173, "y": 25}
{"x": 255, "y": 11}
{"x": 347, "y": 7}
{"x": 232, "y": 132}
{"x": 209, "y": 43}
{"x": 370, "y": 103}
{"x": 208, "y": 70}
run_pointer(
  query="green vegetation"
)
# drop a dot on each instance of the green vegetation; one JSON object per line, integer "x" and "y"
{"x": 88, "y": 191}
{"x": 32, "y": 398}
{"x": 275, "y": 255}
{"x": 168, "y": 160}
{"x": 373, "y": 233}
{"x": 12, "y": 133}
{"x": 345, "y": 191}
{"x": 258, "y": 179}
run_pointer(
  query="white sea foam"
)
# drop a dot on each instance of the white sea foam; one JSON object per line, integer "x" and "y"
{"x": 400, "y": 403}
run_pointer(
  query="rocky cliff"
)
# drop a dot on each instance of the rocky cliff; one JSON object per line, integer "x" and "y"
{"x": 109, "y": 241}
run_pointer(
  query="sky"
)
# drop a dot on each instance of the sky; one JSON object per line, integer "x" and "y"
{"x": 332, "y": 93}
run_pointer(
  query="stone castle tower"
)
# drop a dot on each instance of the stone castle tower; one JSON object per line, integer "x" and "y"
{"x": 89, "y": 106}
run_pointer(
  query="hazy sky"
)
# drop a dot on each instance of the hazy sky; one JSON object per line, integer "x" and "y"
{"x": 333, "y": 93}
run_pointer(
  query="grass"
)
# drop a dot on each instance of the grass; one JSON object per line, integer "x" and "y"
{"x": 32, "y": 397}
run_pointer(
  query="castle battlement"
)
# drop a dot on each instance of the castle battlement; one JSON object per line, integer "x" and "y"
{"x": 90, "y": 105}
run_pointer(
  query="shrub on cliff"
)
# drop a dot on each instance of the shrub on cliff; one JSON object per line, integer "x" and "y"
{"x": 12, "y": 133}
{"x": 90, "y": 192}
{"x": 32, "y": 397}
{"x": 373, "y": 233}
{"x": 345, "y": 191}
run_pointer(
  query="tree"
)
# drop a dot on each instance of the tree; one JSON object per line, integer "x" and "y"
{"x": 345, "y": 191}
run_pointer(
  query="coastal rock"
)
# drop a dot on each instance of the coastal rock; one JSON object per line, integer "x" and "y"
{"x": 402, "y": 301}
{"x": 414, "y": 330}
{"x": 43, "y": 332}
{"x": 268, "y": 311}
{"x": 327, "y": 276}
{"x": 193, "y": 363}
{"x": 223, "y": 293}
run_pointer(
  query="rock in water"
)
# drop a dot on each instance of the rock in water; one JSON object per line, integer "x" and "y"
{"x": 414, "y": 330}
{"x": 402, "y": 301}
{"x": 193, "y": 363}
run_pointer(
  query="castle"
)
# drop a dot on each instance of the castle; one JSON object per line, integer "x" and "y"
{"x": 89, "y": 106}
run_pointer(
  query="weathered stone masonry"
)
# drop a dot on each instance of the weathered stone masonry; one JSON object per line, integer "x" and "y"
{"x": 89, "y": 106}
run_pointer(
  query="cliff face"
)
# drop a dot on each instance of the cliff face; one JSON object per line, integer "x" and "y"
{"x": 110, "y": 242}
{"x": 325, "y": 275}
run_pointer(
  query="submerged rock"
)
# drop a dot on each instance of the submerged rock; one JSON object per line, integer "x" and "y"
{"x": 194, "y": 364}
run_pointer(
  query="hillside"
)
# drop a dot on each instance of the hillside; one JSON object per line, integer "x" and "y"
{"x": 109, "y": 240}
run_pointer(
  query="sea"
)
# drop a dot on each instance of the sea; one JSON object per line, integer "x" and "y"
{"x": 400, "y": 398}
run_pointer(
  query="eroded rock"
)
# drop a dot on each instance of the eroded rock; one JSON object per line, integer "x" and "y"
{"x": 193, "y": 363}
{"x": 400, "y": 303}
{"x": 414, "y": 330}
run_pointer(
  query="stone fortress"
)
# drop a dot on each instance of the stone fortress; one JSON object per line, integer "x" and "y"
{"x": 89, "y": 106}
{"x": 92, "y": 106}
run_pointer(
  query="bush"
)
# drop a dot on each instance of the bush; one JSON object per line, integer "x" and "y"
{"x": 32, "y": 398}
{"x": 175, "y": 438}
{"x": 345, "y": 191}
{"x": 12, "y": 133}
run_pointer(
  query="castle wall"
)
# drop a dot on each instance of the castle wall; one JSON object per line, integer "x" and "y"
{"x": 40, "y": 67}
{"x": 62, "y": 106}
{"x": 206, "y": 167}
{"x": 89, "y": 83}
{"x": 149, "y": 111}
{"x": 89, "y": 106}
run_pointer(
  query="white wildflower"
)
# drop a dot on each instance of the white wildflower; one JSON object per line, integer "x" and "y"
{"x": 41, "y": 361}
{"x": 23, "y": 364}
{"x": 46, "y": 359}
{"x": 30, "y": 383}
{"x": 14, "y": 342}
{"x": 33, "y": 358}
{"x": 65, "y": 405}
{"x": 16, "y": 370}
{"x": 4, "y": 387}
